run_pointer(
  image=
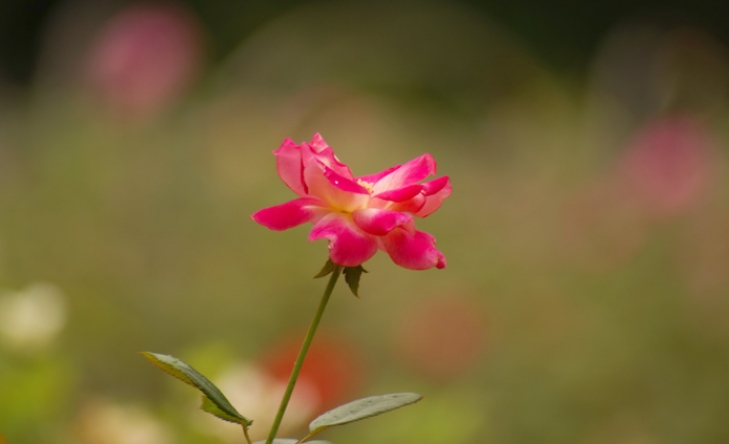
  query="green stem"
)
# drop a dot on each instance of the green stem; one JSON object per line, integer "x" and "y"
{"x": 302, "y": 353}
{"x": 245, "y": 433}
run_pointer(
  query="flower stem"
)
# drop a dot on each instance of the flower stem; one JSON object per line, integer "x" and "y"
{"x": 302, "y": 354}
{"x": 245, "y": 433}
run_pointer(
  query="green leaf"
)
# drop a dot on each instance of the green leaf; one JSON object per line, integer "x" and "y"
{"x": 209, "y": 406}
{"x": 352, "y": 275}
{"x": 328, "y": 268}
{"x": 292, "y": 441}
{"x": 361, "y": 409}
{"x": 213, "y": 401}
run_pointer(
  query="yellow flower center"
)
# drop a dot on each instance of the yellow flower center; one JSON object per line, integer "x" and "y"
{"x": 368, "y": 186}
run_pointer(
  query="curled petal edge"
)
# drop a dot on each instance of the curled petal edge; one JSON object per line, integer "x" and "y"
{"x": 319, "y": 150}
{"x": 289, "y": 166}
{"x": 413, "y": 251}
{"x": 435, "y": 196}
{"x": 408, "y": 174}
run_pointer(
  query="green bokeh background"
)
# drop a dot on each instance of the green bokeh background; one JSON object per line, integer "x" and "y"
{"x": 602, "y": 319}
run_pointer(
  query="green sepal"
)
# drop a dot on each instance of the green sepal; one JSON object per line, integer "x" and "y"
{"x": 213, "y": 400}
{"x": 328, "y": 268}
{"x": 352, "y": 275}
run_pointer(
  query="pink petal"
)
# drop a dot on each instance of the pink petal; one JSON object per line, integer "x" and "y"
{"x": 435, "y": 194}
{"x": 344, "y": 183}
{"x": 374, "y": 178}
{"x": 436, "y": 185}
{"x": 348, "y": 245}
{"x": 318, "y": 149}
{"x": 413, "y": 251}
{"x": 290, "y": 167}
{"x": 318, "y": 143}
{"x": 412, "y": 206}
{"x": 408, "y": 174}
{"x": 291, "y": 214}
{"x": 400, "y": 194}
{"x": 420, "y": 200}
{"x": 381, "y": 222}
{"x": 339, "y": 192}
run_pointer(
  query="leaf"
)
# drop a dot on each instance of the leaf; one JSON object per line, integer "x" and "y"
{"x": 361, "y": 409}
{"x": 291, "y": 441}
{"x": 213, "y": 401}
{"x": 328, "y": 268}
{"x": 209, "y": 406}
{"x": 352, "y": 275}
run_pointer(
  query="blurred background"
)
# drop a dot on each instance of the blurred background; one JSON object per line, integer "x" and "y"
{"x": 587, "y": 291}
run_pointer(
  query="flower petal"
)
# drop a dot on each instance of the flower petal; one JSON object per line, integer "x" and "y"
{"x": 413, "y": 251}
{"x": 318, "y": 149}
{"x": 374, "y": 178}
{"x": 436, "y": 185}
{"x": 348, "y": 245}
{"x": 420, "y": 200}
{"x": 339, "y": 192}
{"x": 318, "y": 143}
{"x": 291, "y": 214}
{"x": 435, "y": 193}
{"x": 412, "y": 206}
{"x": 400, "y": 194}
{"x": 290, "y": 167}
{"x": 381, "y": 222}
{"x": 408, "y": 174}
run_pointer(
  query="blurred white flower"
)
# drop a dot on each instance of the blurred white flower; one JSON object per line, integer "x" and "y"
{"x": 104, "y": 422}
{"x": 31, "y": 319}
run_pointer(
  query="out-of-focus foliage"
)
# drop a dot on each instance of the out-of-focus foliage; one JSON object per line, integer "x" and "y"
{"x": 585, "y": 299}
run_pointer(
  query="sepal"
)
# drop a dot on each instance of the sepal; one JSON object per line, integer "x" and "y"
{"x": 352, "y": 275}
{"x": 328, "y": 268}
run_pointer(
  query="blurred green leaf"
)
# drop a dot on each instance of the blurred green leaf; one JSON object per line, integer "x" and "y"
{"x": 213, "y": 401}
{"x": 352, "y": 275}
{"x": 362, "y": 409}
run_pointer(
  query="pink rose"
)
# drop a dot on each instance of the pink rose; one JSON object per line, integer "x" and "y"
{"x": 359, "y": 215}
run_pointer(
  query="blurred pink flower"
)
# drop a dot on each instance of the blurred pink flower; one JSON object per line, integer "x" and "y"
{"x": 359, "y": 215}
{"x": 669, "y": 165}
{"x": 145, "y": 58}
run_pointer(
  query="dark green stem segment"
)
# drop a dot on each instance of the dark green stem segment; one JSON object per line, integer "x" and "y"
{"x": 302, "y": 354}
